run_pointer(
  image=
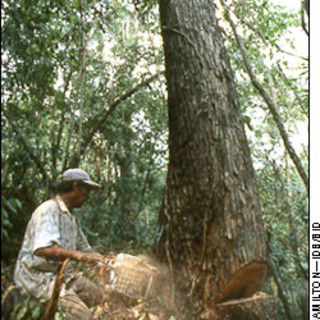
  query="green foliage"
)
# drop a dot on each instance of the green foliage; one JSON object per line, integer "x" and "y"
{"x": 67, "y": 64}
{"x": 285, "y": 208}
{"x": 10, "y": 215}
{"x": 266, "y": 28}
{"x": 27, "y": 309}
{"x": 8, "y": 207}
{"x": 58, "y": 89}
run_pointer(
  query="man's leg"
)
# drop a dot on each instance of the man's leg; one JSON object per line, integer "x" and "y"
{"x": 73, "y": 307}
{"x": 90, "y": 293}
{"x": 79, "y": 297}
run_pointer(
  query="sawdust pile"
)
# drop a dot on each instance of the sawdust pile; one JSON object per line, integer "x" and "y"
{"x": 137, "y": 287}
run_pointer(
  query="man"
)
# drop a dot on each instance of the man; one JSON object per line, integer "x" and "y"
{"x": 53, "y": 234}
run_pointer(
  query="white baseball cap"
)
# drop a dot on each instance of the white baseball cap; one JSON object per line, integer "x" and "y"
{"x": 81, "y": 175}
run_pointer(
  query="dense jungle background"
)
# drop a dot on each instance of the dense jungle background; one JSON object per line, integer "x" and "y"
{"x": 83, "y": 86}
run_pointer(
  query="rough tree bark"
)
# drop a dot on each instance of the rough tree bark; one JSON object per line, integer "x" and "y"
{"x": 211, "y": 230}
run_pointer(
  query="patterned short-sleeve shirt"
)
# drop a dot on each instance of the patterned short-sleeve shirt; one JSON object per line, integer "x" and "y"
{"x": 51, "y": 223}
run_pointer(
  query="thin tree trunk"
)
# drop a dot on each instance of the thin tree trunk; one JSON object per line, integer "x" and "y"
{"x": 106, "y": 113}
{"x": 28, "y": 148}
{"x": 57, "y": 142}
{"x": 281, "y": 292}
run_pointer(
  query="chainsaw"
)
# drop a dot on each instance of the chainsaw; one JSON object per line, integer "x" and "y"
{"x": 133, "y": 276}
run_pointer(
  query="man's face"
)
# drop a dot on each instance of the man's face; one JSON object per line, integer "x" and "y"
{"x": 80, "y": 195}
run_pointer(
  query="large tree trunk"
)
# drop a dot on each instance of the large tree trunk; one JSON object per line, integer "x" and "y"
{"x": 211, "y": 230}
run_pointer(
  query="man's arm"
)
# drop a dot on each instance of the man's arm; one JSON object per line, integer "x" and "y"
{"x": 56, "y": 252}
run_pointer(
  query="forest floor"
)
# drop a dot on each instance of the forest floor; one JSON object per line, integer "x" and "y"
{"x": 142, "y": 292}
{"x": 122, "y": 308}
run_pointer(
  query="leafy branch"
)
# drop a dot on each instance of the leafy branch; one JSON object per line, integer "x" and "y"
{"x": 107, "y": 112}
{"x": 27, "y": 147}
{"x": 267, "y": 41}
{"x": 268, "y": 100}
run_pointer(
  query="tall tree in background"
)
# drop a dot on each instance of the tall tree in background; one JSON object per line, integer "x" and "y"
{"x": 211, "y": 227}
